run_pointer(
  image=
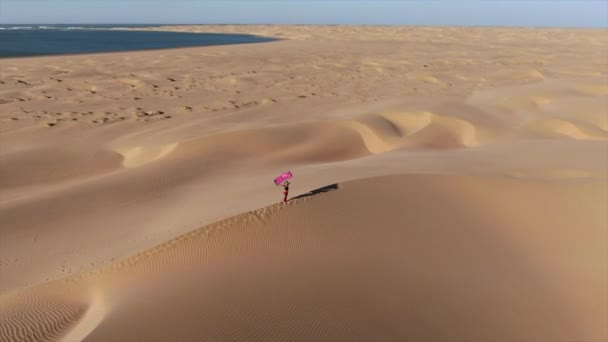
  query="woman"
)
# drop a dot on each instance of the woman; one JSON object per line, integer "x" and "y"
{"x": 285, "y": 191}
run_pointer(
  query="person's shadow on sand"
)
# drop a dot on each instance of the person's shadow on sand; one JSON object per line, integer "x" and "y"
{"x": 326, "y": 188}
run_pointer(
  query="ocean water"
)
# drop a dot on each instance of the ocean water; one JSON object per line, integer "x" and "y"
{"x": 40, "y": 40}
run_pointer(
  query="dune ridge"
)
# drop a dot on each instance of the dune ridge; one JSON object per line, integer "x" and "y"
{"x": 138, "y": 156}
{"x": 214, "y": 255}
{"x": 379, "y": 133}
{"x": 556, "y": 127}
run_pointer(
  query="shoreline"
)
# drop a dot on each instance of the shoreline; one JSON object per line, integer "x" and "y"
{"x": 258, "y": 39}
{"x": 93, "y": 54}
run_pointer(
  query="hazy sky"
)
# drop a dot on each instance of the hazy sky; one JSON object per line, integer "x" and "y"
{"x": 568, "y": 13}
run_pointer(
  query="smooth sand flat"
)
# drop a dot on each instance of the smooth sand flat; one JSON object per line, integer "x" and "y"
{"x": 462, "y": 175}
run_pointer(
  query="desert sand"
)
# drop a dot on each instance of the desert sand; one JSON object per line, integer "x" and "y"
{"x": 451, "y": 184}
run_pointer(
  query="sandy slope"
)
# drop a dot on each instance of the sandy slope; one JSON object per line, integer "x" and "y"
{"x": 488, "y": 220}
{"x": 389, "y": 259}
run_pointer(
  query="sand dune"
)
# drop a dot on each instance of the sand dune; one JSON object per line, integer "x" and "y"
{"x": 461, "y": 176}
{"x": 555, "y": 127}
{"x": 386, "y": 132}
{"x": 319, "y": 267}
{"x": 319, "y": 142}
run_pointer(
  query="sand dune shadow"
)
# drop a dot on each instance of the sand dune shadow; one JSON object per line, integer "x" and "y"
{"x": 318, "y": 191}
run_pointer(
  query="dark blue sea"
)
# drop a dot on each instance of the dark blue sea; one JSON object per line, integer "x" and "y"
{"x": 40, "y": 40}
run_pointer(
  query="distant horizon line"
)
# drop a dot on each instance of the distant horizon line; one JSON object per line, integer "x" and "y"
{"x": 315, "y": 24}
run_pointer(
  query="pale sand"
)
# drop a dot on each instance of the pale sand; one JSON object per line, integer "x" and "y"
{"x": 488, "y": 222}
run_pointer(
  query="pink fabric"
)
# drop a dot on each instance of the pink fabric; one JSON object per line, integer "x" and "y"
{"x": 282, "y": 178}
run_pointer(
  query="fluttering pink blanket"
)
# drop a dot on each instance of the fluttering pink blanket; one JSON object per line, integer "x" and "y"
{"x": 283, "y": 177}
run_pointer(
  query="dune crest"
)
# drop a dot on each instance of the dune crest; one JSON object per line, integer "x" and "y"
{"x": 563, "y": 128}
{"x": 385, "y": 132}
{"x": 594, "y": 89}
{"x": 138, "y": 156}
{"x": 90, "y": 320}
{"x": 553, "y": 174}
